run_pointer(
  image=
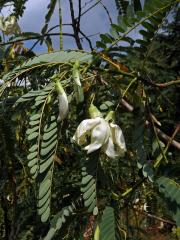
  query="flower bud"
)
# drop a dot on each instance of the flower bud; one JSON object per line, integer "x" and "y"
{"x": 94, "y": 112}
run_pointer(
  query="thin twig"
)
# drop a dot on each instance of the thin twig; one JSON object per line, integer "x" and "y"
{"x": 88, "y": 40}
{"x": 154, "y": 217}
{"x": 36, "y": 37}
{"x": 107, "y": 11}
{"x": 90, "y": 8}
{"x": 160, "y": 133}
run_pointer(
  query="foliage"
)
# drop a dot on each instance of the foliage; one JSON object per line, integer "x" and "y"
{"x": 50, "y": 187}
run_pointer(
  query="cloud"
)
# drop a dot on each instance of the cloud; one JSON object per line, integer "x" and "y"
{"x": 95, "y": 21}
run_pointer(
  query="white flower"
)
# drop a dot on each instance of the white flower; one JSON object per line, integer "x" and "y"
{"x": 105, "y": 135}
{"x": 63, "y": 101}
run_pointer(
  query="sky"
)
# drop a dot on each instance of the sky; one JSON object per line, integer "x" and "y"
{"x": 94, "y": 22}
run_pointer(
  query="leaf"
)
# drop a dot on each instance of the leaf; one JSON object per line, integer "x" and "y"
{"x": 44, "y": 166}
{"x": 107, "y": 224}
{"x": 45, "y": 215}
{"x": 32, "y": 162}
{"x": 48, "y": 135}
{"x": 35, "y": 117}
{"x": 171, "y": 192}
{"x": 45, "y": 151}
{"x": 48, "y": 16}
{"x": 31, "y": 155}
{"x": 44, "y": 187}
{"x": 33, "y": 148}
{"x": 33, "y": 135}
{"x": 47, "y": 59}
{"x": 44, "y": 144}
{"x": 32, "y": 130}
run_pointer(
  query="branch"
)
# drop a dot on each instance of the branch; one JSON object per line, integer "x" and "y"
{"x": 109, "y": 16}
{"x": 79, "y": 16}
{"x": 154, "y": 217}
{"x": 160, "y": 133}
{"x": 75, "y": 26}
{"x": 88, "y": 40}
{"x": 163, "y": 85}
{"x": 91, "y": 7}
{"x": 36, "y": 37}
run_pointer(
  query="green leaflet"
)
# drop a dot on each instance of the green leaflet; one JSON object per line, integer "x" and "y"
{"x": 171, "y": 192}
{"x": 46, "y": 164}
{"x": 33, "y": 169}
{"x": 88, "y": 182}
{"x": 39, "y": 98}
{"x": 51, "y": 127}
{"x": 33, "y": 148}
{"x": 91, "y": 198}
{"x": 31, "y": 155}
{"x": 50, "y": 134}
{"x": 44, "y": 144}
{"x": 57, "y": 221}
{"x": 44, "y": 207}
{"x": 32, "y": 162}
{"x": 37, "y": 103}
{"x": 45, "y": 215}
{"x": 89, "y": 192}
{"x": 45, "y": 151}
{"x": 42, "y": 201}
{"x": 51, "y": 233}
{"x": 33, "y": 135}
{"x": 47, "y": 59}
{"x": 107, "y": 224}
{"x": 86, "y": 179}
{"x": 33, "y": 123}
{"x": 44, "y": 187}
{"x": 35, "y": 117}
{"x": 31, "y": 130}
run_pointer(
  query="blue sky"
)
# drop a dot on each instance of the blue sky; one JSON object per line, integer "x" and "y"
{"x": 94, "y": 22}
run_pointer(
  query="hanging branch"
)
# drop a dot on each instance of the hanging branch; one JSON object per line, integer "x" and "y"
{"x": 75, "y": 26}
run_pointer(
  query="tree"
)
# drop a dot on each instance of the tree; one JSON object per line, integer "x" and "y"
{"x": 88, "y": 147}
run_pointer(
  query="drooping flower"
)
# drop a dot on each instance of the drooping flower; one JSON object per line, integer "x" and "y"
{"x": 104, "y": 135}
{"x": 63, "y": 101}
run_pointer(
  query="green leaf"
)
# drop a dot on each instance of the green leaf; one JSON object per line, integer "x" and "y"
{"x": 32, "y": 162}
{"x": 31, "y": 155}
{"x": 33, "y": 135}
{"x": 44, "y": 187}
{"x": 46, "y": 164}
{"x": 33, "y": 169}
{"x": 45, "y": 144}
{"x": 50, "y": 134}
{"x": 86, "y": 179}
{"x": 33, "y": 148}
{"x": 45, "y": 215}
{"x": 35, "y": 117}
{"x": 107, "y": 225}
{"x": 32, "y": 130}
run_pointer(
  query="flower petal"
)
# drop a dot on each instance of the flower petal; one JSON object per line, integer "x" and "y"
{"x": 99, "y": 136}
{"x": 118, "y": 139}
{"x": 63, "y": 106}
{"x": 84, "y": 129}
{"x": 109, "y": 148}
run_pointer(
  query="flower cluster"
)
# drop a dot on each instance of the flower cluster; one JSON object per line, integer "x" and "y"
{"x": 104, "y": 135}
